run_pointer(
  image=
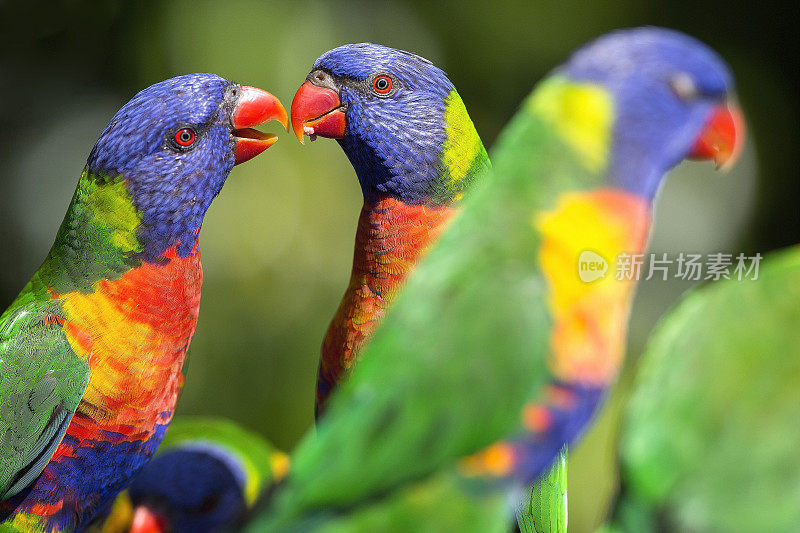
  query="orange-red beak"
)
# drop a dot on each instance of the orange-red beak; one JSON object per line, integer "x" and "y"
{"x": 723, "y": 137}
{"x": 317, "y": 111}
{"x": 146, "y": 521}
{"x": 253, "y": 108}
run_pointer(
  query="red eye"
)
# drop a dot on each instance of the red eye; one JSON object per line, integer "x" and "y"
{"x": 382, "y": 84}
{"x": 184, "y": 137}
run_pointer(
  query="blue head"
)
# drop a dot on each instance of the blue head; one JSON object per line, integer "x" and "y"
{"x": 388, "y": 109}
{"x": 196, "y": 487}
{"x": 174, "y": 144}
{"x": 670, "y": 95}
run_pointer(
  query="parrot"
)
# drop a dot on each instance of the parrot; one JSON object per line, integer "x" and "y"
{"x": 398, "y": 222}
{"x": 92, "y": 349}
{"x": 506, "y": 352}
{"x": 415, "y": 151}
{"x": 207, "y": 474}
{"x": 709, "y": 438}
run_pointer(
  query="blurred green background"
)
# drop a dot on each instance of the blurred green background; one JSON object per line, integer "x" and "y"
{"x": 277, "y": 244}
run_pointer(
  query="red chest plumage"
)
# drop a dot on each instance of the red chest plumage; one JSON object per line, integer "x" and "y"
{"x": 135, "y": 331}
{"x": 391, "y": 238}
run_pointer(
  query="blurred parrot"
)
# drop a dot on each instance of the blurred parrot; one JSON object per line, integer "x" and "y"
{"x": 91, "y": 351}
{"x": 709, "y": 440}
{"x": 498, "y": 335}
{"x": 376, "y": 101}
{"x": 207, "y": 474}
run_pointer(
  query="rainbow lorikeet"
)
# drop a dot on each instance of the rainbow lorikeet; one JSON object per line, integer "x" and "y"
{"x": 354, "y": 89}
{"x": 206, "y": 476}
{"x": 376, "y": 100}
{"x": 498, "y": 335}
{"x": 405, "y": 129}
{"x": 91, "y": 350}
{"x": 709, "y": 439}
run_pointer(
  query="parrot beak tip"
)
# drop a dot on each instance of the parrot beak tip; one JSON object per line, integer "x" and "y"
{"x": 722, "y": 139}
{"x": 254, "y": 107}
{"x": 248, "y": 143}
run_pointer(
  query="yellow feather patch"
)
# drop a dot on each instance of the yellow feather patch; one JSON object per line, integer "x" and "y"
{"x": 23, "y": 522}
{"x": 462, "y": 144}
{"x": 122, "y": 339}
{"x": 279, "y": 462}
{"x": 111, "y": 207}
{"x": 252, "y": 486}
{"x": 590, "y": 317}
{"x": 582, "y": 115}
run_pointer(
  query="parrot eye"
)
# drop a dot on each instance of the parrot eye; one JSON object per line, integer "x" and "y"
{"x": 185, "y": 137}
{"x": 382, "y": 84}
{"x": 684, "y": 87}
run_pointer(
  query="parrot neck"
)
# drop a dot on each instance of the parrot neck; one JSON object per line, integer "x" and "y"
{"x": 391, "y": 238}
{"x": 104, "y": 235}
{"x": 409, "y": 198}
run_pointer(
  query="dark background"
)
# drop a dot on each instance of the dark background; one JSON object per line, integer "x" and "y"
{"x": 278, "y": 242}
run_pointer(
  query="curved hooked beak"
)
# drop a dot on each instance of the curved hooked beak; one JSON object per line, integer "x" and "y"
{"x": 317, "y": 111}
{"x": 147, "y": 521}
{"x": 723, "y": 137}
{"x": 253, "y": 108}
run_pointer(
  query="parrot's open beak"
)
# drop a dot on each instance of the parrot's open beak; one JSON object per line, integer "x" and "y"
{"x": 723, "y": 137}
{"x": 147, "y": 521}
{"x": 253, "y": 108}
{"x": 318, "y": 111}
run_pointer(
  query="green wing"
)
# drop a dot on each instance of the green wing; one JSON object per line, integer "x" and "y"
{"x": 544, "y": 503}
{"x": 41, "y": 383}
{"x": 710, "y": 440}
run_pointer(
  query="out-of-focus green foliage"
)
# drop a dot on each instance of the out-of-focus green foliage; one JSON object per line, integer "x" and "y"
{"x": 277, "y": 244}
{"x": 709, "y": 442}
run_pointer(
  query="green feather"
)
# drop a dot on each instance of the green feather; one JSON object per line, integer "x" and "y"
{"x": 97, "y": 238}
{"x": 41, "y": 383}
{"x": 544, "y": 503}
